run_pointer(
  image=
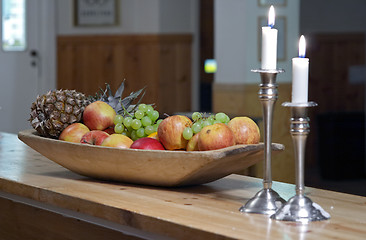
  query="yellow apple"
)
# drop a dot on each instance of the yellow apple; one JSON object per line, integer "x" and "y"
{"x": 193, "y": 143}
{"x": 215, "y": 136}
{"x": 117, "y": 140}
{"x": 245, "y": 130}
{"x": 74, "y": 132}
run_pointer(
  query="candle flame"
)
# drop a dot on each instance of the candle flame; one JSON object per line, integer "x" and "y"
{"x": 302, "y": 46}
{"x": 271, "y": 17}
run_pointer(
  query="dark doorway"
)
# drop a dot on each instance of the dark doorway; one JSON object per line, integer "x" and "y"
{"x": 336, "y": 149}
{"x": 206, "y": 52}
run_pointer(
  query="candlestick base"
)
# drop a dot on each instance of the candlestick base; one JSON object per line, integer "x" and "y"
{"x": 266, "y": 201}
{"x": 300, "y": 209}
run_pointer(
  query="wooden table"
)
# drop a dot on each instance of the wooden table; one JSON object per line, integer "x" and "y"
{"x": 42, "y": 200}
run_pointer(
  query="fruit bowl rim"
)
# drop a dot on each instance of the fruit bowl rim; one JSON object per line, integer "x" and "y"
{"x": 34, "y": 133}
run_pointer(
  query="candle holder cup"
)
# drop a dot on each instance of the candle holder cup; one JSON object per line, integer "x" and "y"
{"x": 266, "y": 201}
{"x": 300, "y": 208}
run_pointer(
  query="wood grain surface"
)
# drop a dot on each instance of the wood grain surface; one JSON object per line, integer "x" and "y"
{"x": 208, "y": 211}
{"x": 160, "y": 62}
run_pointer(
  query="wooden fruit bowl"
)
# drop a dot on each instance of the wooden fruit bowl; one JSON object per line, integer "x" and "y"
{"x": 149, "y": 167}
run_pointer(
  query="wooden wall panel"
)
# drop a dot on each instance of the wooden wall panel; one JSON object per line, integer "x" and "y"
{"x": 162, "y": 63}
{"x": 331, "y": 56}
{"x": 178, "y": 83}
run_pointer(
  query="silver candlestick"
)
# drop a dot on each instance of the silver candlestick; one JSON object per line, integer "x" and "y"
{"x": 300, "y": 208}
{"x": 266, "y": 201}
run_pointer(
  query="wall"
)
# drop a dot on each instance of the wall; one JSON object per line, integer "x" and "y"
{"x": 144, "y": 17}
{"x": 135, "y": 16}
{"x": 237, "y": 39}
{"x": 339, "y": 16}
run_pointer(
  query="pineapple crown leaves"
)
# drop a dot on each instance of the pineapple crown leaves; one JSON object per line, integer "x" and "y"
{"x": 121, "y": 106}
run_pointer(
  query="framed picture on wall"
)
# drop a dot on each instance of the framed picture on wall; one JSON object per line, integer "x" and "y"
{"x": 281, "y": 26}
{"x": 266, "y": 3}
{"x": 96, "y": 12}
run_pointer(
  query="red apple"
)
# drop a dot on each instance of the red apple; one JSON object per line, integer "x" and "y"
{"x": 245, "y": 130}
{"x": 215, "y": 136}
{"x": 193, "y": 143}
{"x": 74, "y": 132}
{"x": 170, "y": 132}
{"x": 98, "y": 116}
{"x": 117, "y": 140}
{"x": 94, "y": 137}
{"x": 147, "y": 143}
{"x": 109, "y": 130}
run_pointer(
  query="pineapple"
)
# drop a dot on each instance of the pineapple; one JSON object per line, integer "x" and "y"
{"x": 121, "y": 106}
{"x": 52, "y": 112}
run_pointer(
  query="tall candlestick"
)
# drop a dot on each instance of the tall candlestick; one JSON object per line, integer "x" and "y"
{"x": 300, "y": 75}
{"x": 269, "y": 42}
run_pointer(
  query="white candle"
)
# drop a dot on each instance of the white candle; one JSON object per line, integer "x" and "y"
{"x": 300, "y": 75}
{"x": 269, "y": 42}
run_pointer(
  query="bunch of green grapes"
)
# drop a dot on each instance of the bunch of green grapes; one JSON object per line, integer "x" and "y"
{"x": 199, "y": 122}
{"x": 144, "y": 121}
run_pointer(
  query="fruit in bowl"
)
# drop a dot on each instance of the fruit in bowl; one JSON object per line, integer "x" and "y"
{"x": 74, "y": 132}
{"x": 245, "y": 130}
{"x": 147, "y": 143}
{"x": 170, "y": 132}
{"x": 215, "y": 136}
{"x": 118, "y": 141}
{"x": 109, "y": 130}
{"x": 52, "y": 112}
{"x": 99, "y": 116}
{"x": 193, "y": 143}
{"x": 94, "y": 137}
{"x": 71, "y": 116}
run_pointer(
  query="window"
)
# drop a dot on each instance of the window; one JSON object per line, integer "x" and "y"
{"x": 13, "y": 25}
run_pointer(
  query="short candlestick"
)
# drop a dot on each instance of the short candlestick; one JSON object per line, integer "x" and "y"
{"x": 300, "y": 208}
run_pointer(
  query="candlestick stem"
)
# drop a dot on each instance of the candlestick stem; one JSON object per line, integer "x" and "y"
{"x": 268, "y": 95}
{"x": 266, "y": 201}
{"x": 300, "y": 208}
{"x": 300, "y": 129}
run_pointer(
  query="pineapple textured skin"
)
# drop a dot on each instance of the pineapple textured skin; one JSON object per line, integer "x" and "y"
{"x": 52, "y": 112}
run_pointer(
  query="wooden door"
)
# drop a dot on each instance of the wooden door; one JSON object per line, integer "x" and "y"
{"x": 339, "y": 95}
